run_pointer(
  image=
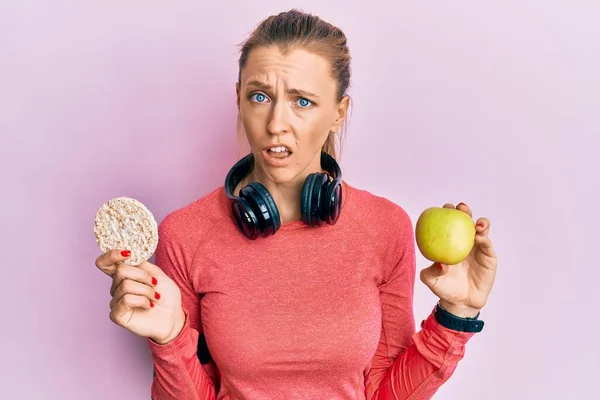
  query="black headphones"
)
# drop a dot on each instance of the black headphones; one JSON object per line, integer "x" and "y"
{"x": 255, "y": 211}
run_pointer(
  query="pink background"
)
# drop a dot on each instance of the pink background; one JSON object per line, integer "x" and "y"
{"x": 492, "y": 103}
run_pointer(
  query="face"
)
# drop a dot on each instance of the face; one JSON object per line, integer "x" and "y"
{"x": 288, "y": 106}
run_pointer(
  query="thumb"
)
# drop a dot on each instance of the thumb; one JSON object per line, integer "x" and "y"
{"x": 430, "y": 274}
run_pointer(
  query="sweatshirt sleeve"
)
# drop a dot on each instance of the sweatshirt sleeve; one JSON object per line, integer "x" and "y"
{"x": 408, "y": 364}
{"x": 178, "y": 372}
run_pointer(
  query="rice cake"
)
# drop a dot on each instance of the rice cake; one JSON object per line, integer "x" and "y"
{"x": 124, "y": 223}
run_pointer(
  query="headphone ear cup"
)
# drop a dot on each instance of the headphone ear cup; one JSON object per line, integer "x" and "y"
{"x": 314, "y": 205}
{"x": 263, "y": 206}
{"x": 319, "y": 199}
{"x": 307, "y": 189}
{"x": 245, "y": 218}
{"x": 332, "y": 202}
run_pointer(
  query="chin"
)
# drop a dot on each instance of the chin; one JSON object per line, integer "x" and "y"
{"x": 281, "y": 175}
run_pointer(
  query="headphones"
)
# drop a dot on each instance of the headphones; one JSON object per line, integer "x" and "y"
{"x": 256, "y": 213}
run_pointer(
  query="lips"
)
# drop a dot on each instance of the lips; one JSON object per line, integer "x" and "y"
{"x": 278, "y": 148}
{"x": 278, "y": 155}
{"x": 278, "y": 151}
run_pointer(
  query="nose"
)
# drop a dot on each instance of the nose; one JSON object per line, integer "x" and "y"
{"x": 278, "y": 119}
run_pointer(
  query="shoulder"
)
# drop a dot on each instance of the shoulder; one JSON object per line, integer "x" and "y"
{"x": 376, "y": 210}
{"x": 389, "y": 227}
{"x": 193, "y": 221}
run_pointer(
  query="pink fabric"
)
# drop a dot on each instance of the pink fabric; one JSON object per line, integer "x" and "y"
{"x": 309, "y": 313}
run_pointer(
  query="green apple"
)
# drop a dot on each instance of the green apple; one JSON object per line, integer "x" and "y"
{"x": 445, "y": 235}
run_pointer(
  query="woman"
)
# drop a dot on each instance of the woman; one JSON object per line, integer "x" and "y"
{"x": 301, "y": 284}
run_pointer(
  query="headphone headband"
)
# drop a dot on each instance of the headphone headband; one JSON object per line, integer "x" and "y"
{"x": 238, "y": 172}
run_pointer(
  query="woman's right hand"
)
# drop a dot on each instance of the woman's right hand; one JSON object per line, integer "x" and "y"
{"x": 145, "y": 300}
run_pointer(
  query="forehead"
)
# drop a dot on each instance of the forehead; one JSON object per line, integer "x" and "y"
{"x": 299, "y": 68}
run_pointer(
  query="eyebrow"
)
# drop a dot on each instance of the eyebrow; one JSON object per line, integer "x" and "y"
{"x": 266, "y": 87}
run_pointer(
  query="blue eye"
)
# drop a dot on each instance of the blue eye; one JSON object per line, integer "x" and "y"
{"x": 304, "y": 102}
{"x": 258, "y": 97}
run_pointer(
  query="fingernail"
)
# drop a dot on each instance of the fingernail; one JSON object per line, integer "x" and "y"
{"x": 126, "y": 253}
{"x": 480, "y": 224}
{"x": 151, "y": 304}
{"x": 440, "y": 266}
{"x": 154, "y": 281}
{"x": 156, "y": 295}
{"x": 461, "y": 204}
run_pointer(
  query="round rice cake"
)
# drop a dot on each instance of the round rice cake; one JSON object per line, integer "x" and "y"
{"x": 124, "y": 223}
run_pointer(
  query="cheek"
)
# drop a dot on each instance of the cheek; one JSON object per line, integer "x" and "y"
{"x": 321, "y": 124}
{"x": 251, "y": 122}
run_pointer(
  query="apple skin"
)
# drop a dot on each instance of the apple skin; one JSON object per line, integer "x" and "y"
{"x": 445, "y": 235}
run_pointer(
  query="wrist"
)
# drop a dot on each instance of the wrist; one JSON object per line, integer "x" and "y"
{"x": 175, "y": 331}
{"x": 460, "y": 310}
{"x": 466, "y": 321}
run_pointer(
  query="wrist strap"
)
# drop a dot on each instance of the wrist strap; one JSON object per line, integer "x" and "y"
{"x": 453, "y": 322}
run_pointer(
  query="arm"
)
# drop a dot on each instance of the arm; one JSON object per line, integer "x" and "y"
{"x": 178, "y": 372}
{"x": 408, "y": 364}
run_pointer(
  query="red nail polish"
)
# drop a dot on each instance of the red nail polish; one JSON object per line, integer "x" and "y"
{"x": 440, "y": 266}
{"x": 126, "y": 253}
{"x": 480, "y": 224}
{"x": 151, "y": 304}
{"x": 156, "y": 295}
{"x": 154, "y": 281}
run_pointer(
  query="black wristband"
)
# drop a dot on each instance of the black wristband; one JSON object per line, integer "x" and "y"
{"x": 453, "y": 322}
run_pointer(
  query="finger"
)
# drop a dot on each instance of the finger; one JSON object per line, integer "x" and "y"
{"x": 465, "y": 208}
{"x": 482, "y": 227}
{"x": 132, "y": 273}
{"x": 136, "y": 288}
{"x": 430, "y": 274}
{"x": 108, "y": 261}
{"x": 152, "y": 269}
{"x": 484, "y": 244}
{"x": 127, "y": 303}
{"x": 448, "y": 205}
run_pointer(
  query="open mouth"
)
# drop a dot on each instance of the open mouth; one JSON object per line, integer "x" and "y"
{"x": 277, "y": 156}
{"x": 279, "y": 152}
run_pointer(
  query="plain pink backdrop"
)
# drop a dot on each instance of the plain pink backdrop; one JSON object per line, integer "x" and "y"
{"x": 492, "y": 103}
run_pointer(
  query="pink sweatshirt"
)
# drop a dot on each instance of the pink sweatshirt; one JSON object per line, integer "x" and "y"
{"x": 309, "y": 313}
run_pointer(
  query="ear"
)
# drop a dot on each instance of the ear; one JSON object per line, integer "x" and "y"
{"x": 342, "y": 113}
{"x": 237, "y": 94}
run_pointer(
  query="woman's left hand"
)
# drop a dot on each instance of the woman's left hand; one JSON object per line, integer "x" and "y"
{"x": 464, "y": 288}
